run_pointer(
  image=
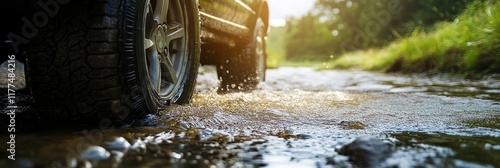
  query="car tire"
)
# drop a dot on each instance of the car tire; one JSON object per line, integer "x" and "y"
{"x": 246, "y": 67}
{"x": 115, "y": 60}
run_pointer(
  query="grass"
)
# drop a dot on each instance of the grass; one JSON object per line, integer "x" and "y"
{"x": 470, "y": 45}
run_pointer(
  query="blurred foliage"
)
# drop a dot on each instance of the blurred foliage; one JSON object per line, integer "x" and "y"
{"x": 276, "y": 54}
{"x": 275, "y": 47}
{"x": 306, "y": 38}
{"x": 335, "y": 27}
{"x": 469, "y": 45}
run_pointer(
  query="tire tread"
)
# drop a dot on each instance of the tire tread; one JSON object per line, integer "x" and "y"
{"x": 74, "y": 63}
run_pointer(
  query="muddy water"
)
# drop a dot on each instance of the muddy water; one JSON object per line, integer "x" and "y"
{"x": 299, "y": 118}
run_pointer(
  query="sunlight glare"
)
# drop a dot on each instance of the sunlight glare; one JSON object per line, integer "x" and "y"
{"x": 280, "y": 10}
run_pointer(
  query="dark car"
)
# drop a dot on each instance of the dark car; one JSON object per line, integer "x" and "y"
{"x": 114, "y": 60}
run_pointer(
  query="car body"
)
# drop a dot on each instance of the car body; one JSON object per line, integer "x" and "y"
{"x": 227, "y": 21}
{"x": 95, "y": 60}
{"x": 223, "y": 22}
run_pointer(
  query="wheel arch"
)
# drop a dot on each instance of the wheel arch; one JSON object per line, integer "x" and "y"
{"x": 264, "y": 13}
{"x": 261, "y": 11}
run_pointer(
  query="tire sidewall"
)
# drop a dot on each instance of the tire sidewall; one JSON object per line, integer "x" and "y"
{"x": 260, "y": 59}
{"x": 150, "y": 98}
{"x": 251, "y": 59}
{"x": 241, "y": 71}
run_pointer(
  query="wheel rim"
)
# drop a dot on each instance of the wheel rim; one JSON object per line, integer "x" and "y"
{"x": 165, "y": 46}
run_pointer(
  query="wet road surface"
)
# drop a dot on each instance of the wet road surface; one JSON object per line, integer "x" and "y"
{"x": 299, "y": 118}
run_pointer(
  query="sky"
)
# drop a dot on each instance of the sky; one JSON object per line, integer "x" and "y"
{"x": 282, "y": 9}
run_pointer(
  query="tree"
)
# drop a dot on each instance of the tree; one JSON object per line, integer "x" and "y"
{"x": 338, "y": 26}
{"x": 307, "y": 38}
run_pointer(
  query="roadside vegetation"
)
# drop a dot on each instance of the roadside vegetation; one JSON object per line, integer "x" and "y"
{"x": 469, "y": 45}
{"x": 426, "y": 36}
{"x": 277, "y": 53}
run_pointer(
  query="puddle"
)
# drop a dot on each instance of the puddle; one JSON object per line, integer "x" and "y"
{"x": 299, "y": 118}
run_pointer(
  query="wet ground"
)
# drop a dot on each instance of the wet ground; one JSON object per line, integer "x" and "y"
{"x": 299, "y": 118}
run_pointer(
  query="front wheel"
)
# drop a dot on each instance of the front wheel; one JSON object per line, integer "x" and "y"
{"x": 246, "y": 66}
{"x": 115, "y": 60}
{"x": 168, "y": 48}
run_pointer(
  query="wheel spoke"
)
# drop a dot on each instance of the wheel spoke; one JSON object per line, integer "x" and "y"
{"x": 165, "y": 40}
{"x": 161, "y": 11}
{"x": 168, "y": 70}
{"x": 175, "y": 31}
{"x": 154, "y": 70}
{"x": 148, "y": 43}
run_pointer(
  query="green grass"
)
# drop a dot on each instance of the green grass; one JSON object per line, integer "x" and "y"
{"x": 470, "y": 45}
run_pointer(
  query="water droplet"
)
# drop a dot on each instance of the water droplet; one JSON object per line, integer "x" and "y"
{"x": 175, "y": 155}
{"x": 138, "y": 144}
{"x": 119, "y": 143}
{"x": 95, "y": 153}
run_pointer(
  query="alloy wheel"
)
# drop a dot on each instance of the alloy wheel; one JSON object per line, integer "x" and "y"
{"x": 165, "y": 45}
